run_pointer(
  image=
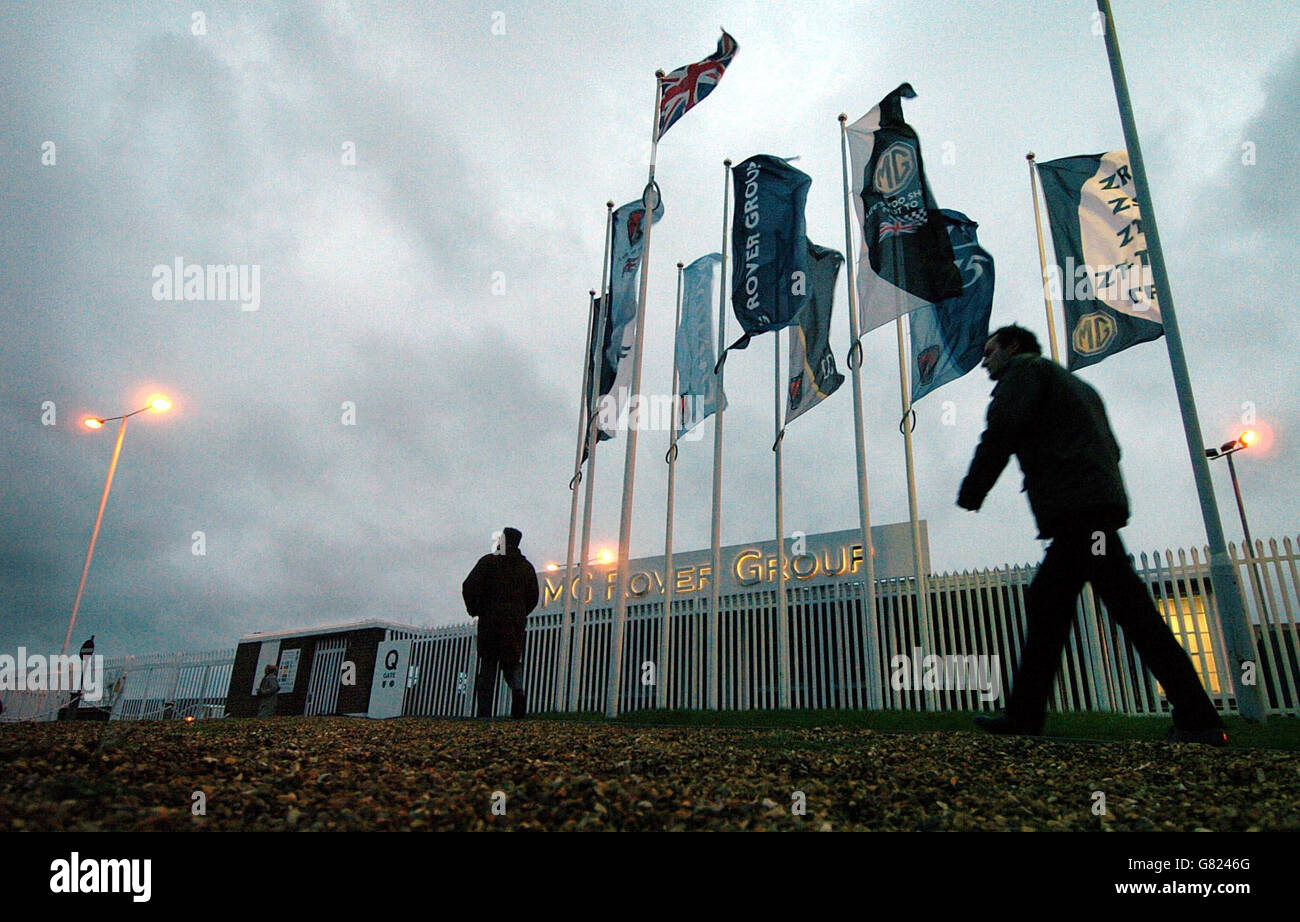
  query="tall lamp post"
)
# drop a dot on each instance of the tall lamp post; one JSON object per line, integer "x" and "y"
{"x": 156, "y": 404}
{"x": 1227, "y": 450}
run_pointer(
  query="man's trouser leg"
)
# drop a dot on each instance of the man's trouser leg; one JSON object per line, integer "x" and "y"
{"x": 1050, "y": 604}
{"x": 1130, "y": 606}
{"x": 486, "y": 685}
{"x": 513, "y": 672}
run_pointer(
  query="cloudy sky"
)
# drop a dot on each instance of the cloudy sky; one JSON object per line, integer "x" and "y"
{"x": 409, "y": 381}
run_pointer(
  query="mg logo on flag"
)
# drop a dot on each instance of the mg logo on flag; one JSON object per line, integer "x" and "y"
{"x": 926, "y": 362}
{"x": 895, "y": 168}
{"x": 1093, "y": 334}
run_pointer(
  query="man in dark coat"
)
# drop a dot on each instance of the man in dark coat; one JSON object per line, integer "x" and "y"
{"x": 500, "y": 591}
{"x": 1056, "y": 426}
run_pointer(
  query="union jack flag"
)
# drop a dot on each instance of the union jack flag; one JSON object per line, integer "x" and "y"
{"x": 899, "y": 226}
{"x": 687, "y": 85}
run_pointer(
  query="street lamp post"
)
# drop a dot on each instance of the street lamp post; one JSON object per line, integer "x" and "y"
{"x": 1227, "y": 450}
{"x": 157, "y": 404}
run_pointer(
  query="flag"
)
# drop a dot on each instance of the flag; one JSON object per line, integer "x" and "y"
{"x": 907, "y": 261}
{"x": 1101, "y": 273}
{"x": 769, "y": 245}
{"x": 813, "y": 377}
{"x": 697, "y": 383}
{"x": 620, "y": 318}
{"x": 948, "y": 338}
{"x": 686, "y": 86}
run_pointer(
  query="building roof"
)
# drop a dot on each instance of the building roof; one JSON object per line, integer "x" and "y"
{"x": 334, "y": 629}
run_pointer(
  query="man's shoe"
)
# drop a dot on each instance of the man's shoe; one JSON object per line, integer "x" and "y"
{"x": 1006, "y": 725}
{"x": 1211, "y": 736}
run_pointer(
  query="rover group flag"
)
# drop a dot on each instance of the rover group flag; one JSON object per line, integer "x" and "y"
{"x": 1101, "y": 276}
{"x": 813, "y": 377}
{"x": 948, "y": 338}
{"x": 907, "y": 261}
{"x": 697, "y": 383}
{"x": 769, "y": 284}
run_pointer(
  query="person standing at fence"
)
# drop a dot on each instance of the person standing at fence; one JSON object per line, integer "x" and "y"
{"x": 267, "y": 692}
{"x": 1056, "y": 426}
{"x": 500, "y": 592}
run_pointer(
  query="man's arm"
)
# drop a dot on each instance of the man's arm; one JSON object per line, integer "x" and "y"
{"x": 530, "y": 588}
{"x": 472, "y": 589}
{"x": 1011, "y": 411}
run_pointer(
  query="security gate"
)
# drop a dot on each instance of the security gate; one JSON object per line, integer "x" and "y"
{"x": 326, "y": 677}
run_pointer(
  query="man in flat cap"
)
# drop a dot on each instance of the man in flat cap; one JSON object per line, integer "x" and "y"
{"x": 500, "y": 592}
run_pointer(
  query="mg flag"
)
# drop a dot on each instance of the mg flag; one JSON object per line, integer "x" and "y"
{"x": 769, "y": 285}
{"x": 813, "y": 377}
{"x": 620, "y": 320}
{"x": 1101, "y": 275}
{"x": 697, "y": 383}
{"x": 686, "y": 86}
{"x": 907, "y": 261}
{"x": 948, "y": 338}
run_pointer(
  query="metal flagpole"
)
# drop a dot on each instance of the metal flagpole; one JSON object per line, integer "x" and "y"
{"x": 661, "y": 686}
{"x": 574, "y": 483}
{"x": 1231, "y": 605}
{"x": 649, "y": 199}
{"x": 873, "y": 665}
{"x": 575, "y": 650}
{"x": 922, "y": 591}
{"x": 1042, "y": 258}
{"x": 711, "y": 666}
{"x": 782, "y": 610}
{"x": 1089, "y": 599}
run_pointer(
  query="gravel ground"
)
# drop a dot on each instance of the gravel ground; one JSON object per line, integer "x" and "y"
{"x": 337, "y": 773}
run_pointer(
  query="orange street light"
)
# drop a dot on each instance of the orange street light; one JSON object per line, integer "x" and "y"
{"x": 1227, "y": 450}
{"x": 157, "y": 403}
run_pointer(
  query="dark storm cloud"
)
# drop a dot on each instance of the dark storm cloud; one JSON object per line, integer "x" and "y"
{"x": 303, "y": 518}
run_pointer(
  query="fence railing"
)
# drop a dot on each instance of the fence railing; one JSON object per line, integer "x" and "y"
{"x": 838, "y": 659}
{"x": 151, "y": 687}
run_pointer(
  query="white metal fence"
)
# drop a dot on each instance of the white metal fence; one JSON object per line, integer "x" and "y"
{"x": 153, "y": 687}
{"x": 837, "y": 660}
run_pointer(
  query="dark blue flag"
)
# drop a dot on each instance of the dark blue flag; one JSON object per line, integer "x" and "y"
{"x": 907, "y": 261}
{"x": 948, "y": 338}
{"x": 769, "y": 245}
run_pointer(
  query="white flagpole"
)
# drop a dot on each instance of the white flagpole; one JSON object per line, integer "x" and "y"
{"x": 715, "y": 539}
{"x": 782, "y": 610}
{"x": 873, "y": 668}
{"x": 1231, "y": 605}
{"x": 574, "y": 483}
{"x": 1042, "y": 258}
{"x": 918, "y": 562}
{"x": 649, "y": 199}
{"x": 574, "y": 651}
{"x": 661, "y": 687}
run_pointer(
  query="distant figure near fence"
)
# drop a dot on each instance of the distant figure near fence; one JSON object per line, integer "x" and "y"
{"x": 500, "y": 591}
{"x": 267, "y": 692}
{"x": 1056, "y": 426}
